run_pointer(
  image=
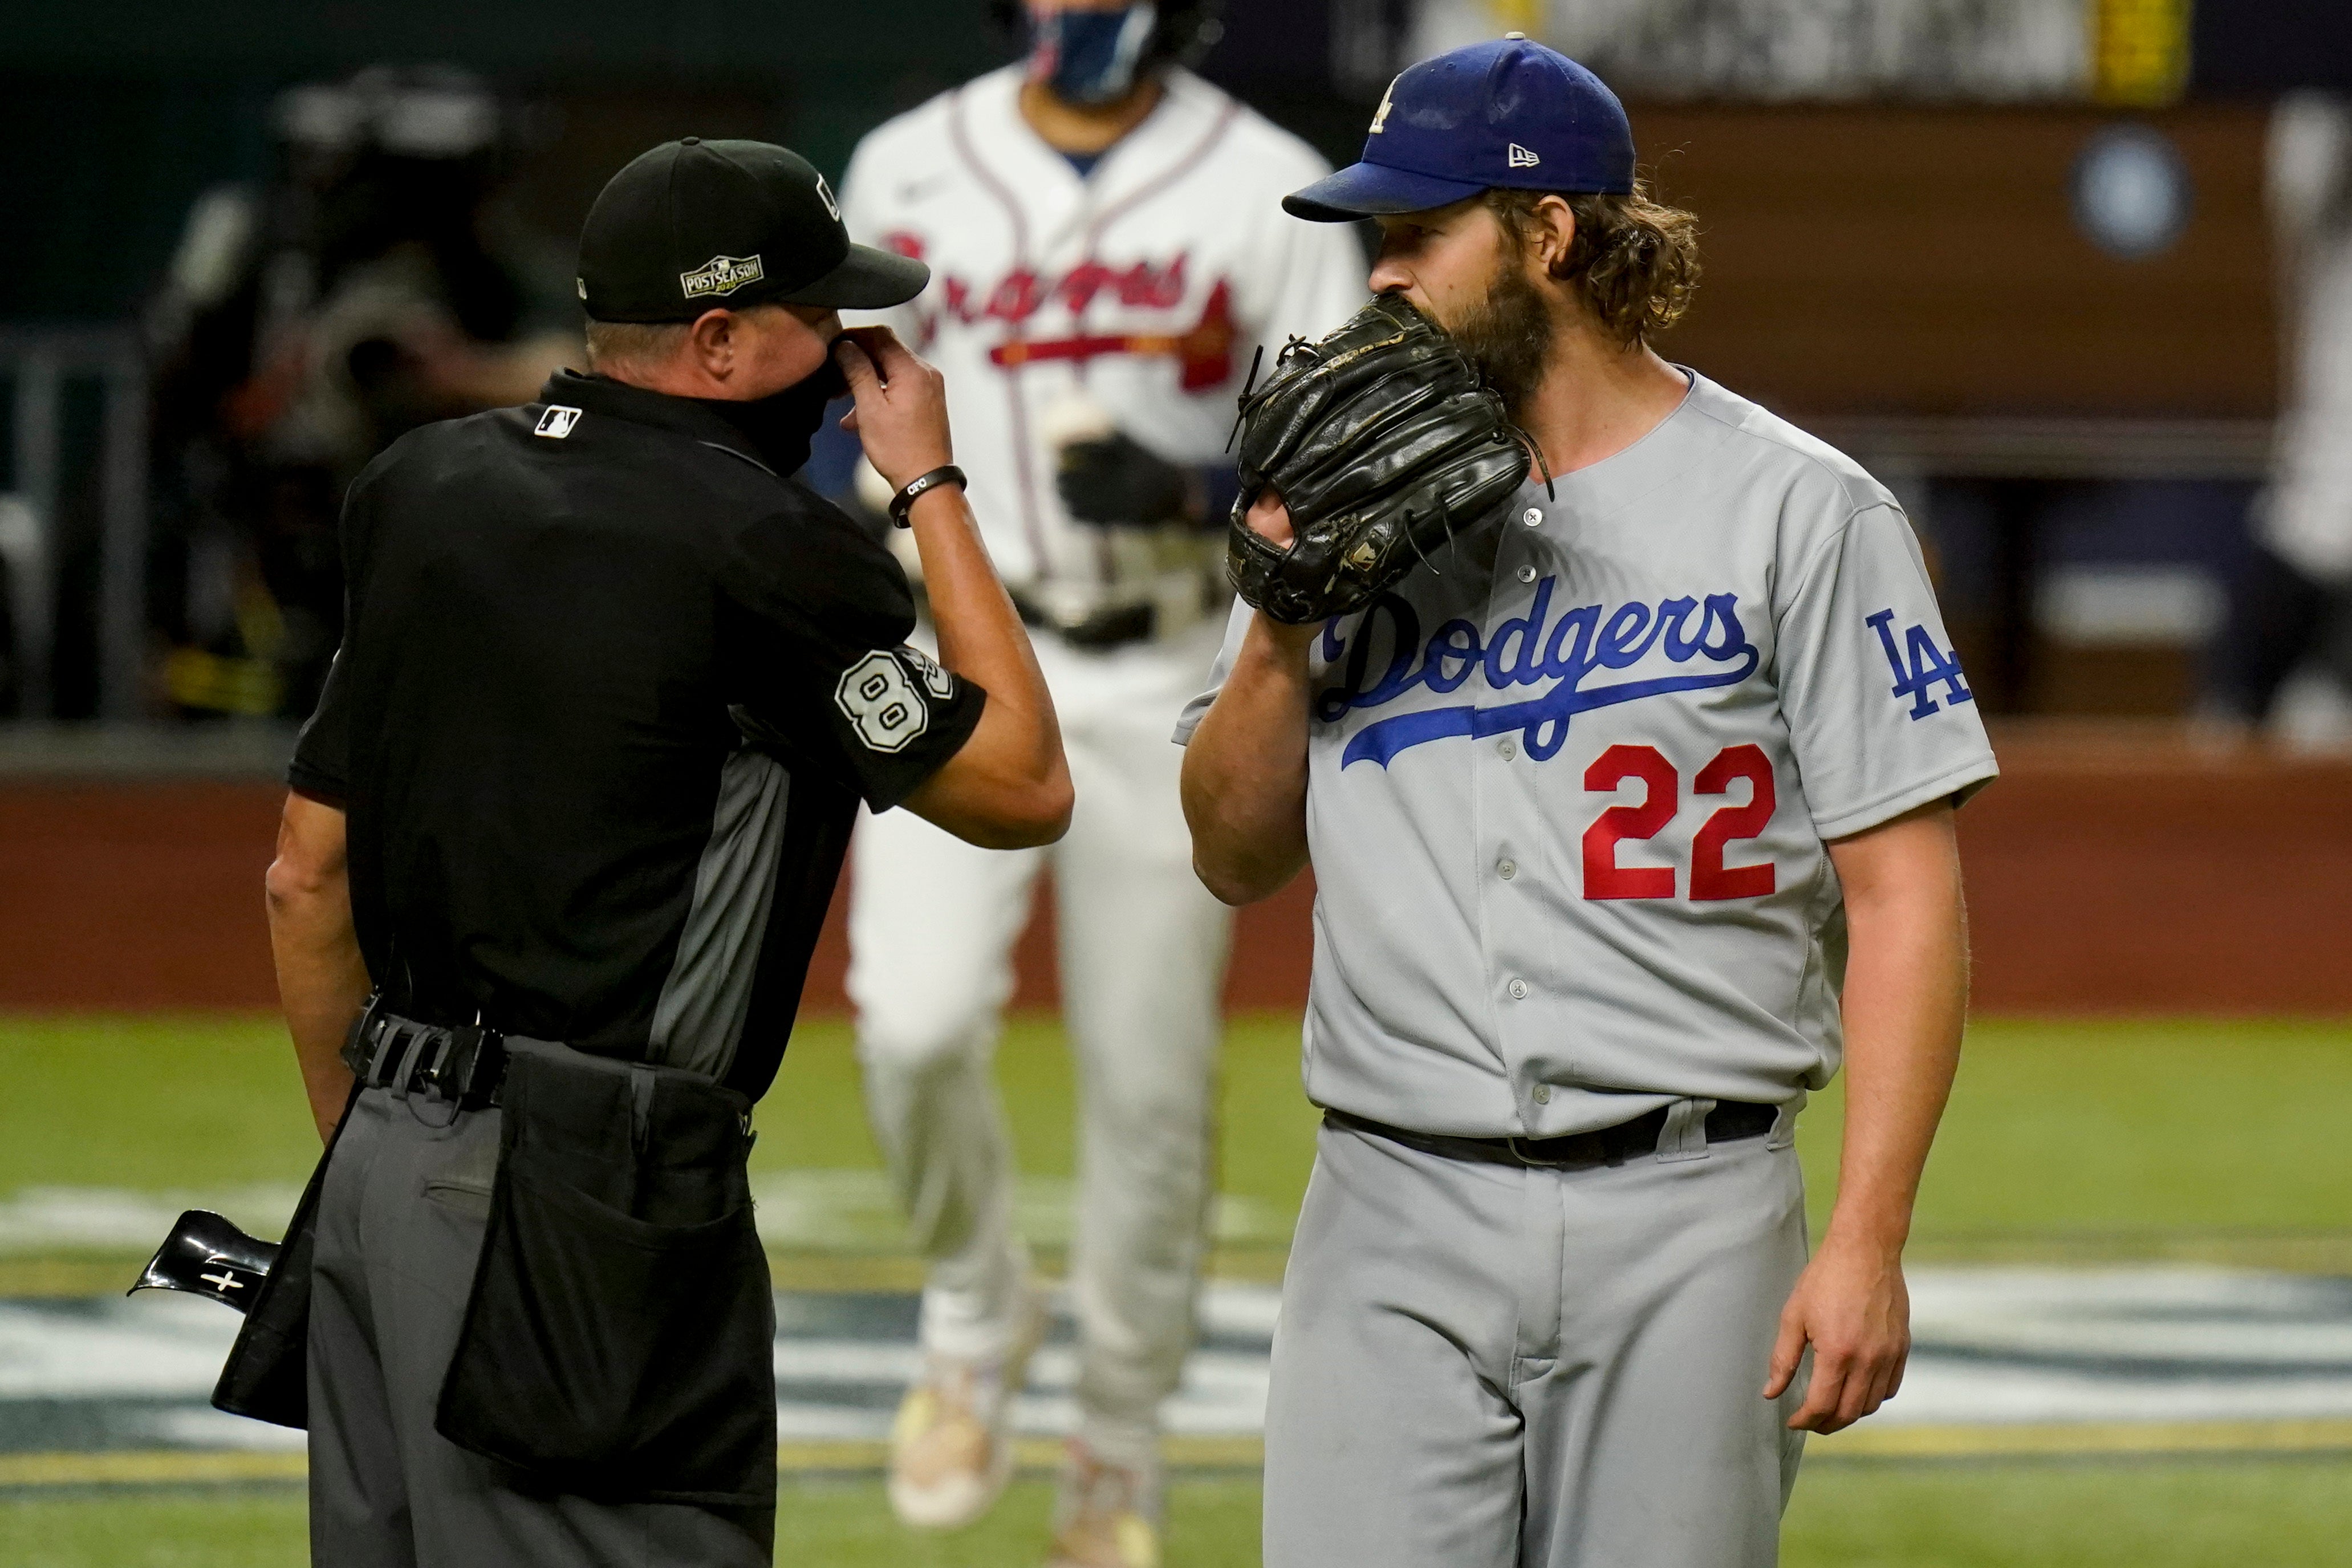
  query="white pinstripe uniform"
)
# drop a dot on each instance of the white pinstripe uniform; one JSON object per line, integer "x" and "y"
{"x": 1131, "y": 297}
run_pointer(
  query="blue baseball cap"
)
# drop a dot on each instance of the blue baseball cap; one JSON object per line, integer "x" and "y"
{"x": 1505, "y": 112}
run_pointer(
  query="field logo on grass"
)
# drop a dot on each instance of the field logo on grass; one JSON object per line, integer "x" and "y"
{"x": 1930, "y": 667}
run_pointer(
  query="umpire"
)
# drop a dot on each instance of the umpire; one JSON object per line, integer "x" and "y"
{"x": 560, "y": 836}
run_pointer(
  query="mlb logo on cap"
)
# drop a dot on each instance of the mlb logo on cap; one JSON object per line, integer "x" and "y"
{"x": 1509, "y": 113}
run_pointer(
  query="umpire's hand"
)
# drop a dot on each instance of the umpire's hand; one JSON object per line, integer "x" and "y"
{"x": 901, "y": 413}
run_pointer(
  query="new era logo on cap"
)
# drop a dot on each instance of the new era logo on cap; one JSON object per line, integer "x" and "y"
{"x": 557, "y": 422}
{"x": 1520, "y": 158}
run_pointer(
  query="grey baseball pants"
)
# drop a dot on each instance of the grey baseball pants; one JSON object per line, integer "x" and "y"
{"x": 400, "y": 1224}
{"x": 1489, "y": 1366}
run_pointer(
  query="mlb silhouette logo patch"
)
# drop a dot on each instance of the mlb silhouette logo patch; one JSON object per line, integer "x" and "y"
{"x": 1521, "y": 158}
{"x": 557, "y": 422}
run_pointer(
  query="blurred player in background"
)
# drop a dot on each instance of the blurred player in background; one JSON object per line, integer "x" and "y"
{"x": 1106, "y": 251}
{"x": 2292, "y": 612}
{"x": 372, "y": 287}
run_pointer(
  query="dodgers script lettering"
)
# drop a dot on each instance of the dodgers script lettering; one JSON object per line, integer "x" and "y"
{"x": 1526, "y": 650}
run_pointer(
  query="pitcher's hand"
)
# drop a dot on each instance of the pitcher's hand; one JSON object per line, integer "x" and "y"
{"x": 1270, "y": 520}
{"x": 1852, "y": 1306}
{"x": 901, "y": 413}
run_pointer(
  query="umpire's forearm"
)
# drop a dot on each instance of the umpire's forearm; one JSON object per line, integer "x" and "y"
{"x": 1244, "y": 784}
{"x": 322, "y": 980}
{"x": 979, "y": 634}
{"x": 1905, "y": 1004}
{"x": 1009, "y": 787}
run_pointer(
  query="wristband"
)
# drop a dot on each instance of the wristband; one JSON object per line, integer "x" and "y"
{"x": 946, "y": 474}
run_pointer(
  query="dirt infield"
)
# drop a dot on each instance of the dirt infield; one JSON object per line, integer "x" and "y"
{"x": 2123, "y": 875}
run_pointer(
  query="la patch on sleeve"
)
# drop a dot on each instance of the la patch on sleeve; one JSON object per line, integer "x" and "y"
{"x": 1929, "y": 666}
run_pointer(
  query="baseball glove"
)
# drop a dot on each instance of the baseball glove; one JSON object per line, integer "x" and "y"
{"x": 1383, "y": 443}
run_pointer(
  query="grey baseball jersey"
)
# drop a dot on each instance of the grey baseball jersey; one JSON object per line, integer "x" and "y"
{"x": 1569, "y": 784}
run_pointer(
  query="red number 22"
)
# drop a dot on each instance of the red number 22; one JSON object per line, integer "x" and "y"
{"x": 1710, "y": 877}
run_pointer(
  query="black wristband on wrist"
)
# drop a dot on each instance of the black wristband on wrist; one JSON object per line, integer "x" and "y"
{"x": 946, "y": 474}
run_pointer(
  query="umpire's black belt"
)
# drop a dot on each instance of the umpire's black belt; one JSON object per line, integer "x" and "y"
{"x": 461, "y": 1066}
{"x": 1729, "y": 1121}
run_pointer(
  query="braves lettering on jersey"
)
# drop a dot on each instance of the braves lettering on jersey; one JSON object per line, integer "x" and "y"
{"x": 1142, "y": 288}
{"x": 1569, "y": 788}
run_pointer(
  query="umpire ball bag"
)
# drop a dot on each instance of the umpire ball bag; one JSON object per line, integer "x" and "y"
{"x": 618, "y": 1343}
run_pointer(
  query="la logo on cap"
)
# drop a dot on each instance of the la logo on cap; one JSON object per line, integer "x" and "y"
{"x": 1380, "y": 115}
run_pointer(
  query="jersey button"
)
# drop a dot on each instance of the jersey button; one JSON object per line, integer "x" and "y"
{"x": 1519, "y": 990}
{"x": 1509, "y": 750}
{"x": 1543, "y": 1094}
{"x": 1532, "y": 516}
{"x": 1527, "y": 574}
{"x": 1508, "y": 869}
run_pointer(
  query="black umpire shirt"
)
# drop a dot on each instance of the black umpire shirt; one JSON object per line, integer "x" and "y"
{"x": 609, "y": 694}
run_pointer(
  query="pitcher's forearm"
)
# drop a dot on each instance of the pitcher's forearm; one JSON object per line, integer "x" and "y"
{"x": 1904, "y": 1004}
{"x": 1244, "y": 780}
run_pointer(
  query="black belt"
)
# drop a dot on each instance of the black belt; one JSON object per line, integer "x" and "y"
{"x": 1114, "y": 627}
{"x": 460, "y": 1066}
{"x": 1729, "y": 1121}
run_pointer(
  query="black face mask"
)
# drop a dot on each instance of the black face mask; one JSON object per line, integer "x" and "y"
{"x": 780, "y": 426}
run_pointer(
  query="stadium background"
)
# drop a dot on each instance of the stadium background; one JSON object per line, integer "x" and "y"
{"x": 2135, "y": 1258}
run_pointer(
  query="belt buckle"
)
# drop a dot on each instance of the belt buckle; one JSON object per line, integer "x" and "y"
{"x": 451, "y": 1076}
{"x": 1515, "y": 1142}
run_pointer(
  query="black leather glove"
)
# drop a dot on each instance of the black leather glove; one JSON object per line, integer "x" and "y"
{"x": 1116, "y": 479}
{"x": 1383, "y": 443}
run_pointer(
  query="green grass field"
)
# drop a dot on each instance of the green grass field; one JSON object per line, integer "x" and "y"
{"x": 2055, "y": 1128}
{"x": 2277, "y": 1514}
{"x": 2064, "y": 1138}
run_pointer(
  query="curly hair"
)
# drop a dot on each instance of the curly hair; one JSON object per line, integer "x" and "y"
{"x": 1635, "y": 258}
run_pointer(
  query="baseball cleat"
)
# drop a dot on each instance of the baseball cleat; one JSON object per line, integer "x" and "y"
{"x": 1107, "y": 1516}
{"x": 951, "y": 1443}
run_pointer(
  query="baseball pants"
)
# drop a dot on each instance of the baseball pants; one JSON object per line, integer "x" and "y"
{"x": 932, "y": 925}
{"x": 400, "y": 1224}
{"x": 1496, "y": 1367}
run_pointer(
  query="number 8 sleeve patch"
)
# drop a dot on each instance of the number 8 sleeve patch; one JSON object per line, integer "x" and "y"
{"x": 881, "y": 702}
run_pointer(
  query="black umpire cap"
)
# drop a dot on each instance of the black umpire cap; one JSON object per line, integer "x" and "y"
{"x": 694, "y": 225}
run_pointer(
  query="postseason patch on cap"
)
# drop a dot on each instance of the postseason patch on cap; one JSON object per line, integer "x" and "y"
{"x": 720, "y": 275}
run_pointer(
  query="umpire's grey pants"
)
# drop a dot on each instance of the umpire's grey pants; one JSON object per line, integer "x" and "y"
{"x": 1482, "y": 1365}
{"x": 400, "y": 1223}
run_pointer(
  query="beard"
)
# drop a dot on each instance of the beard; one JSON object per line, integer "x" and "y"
{"x": 1507, "y": 334}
